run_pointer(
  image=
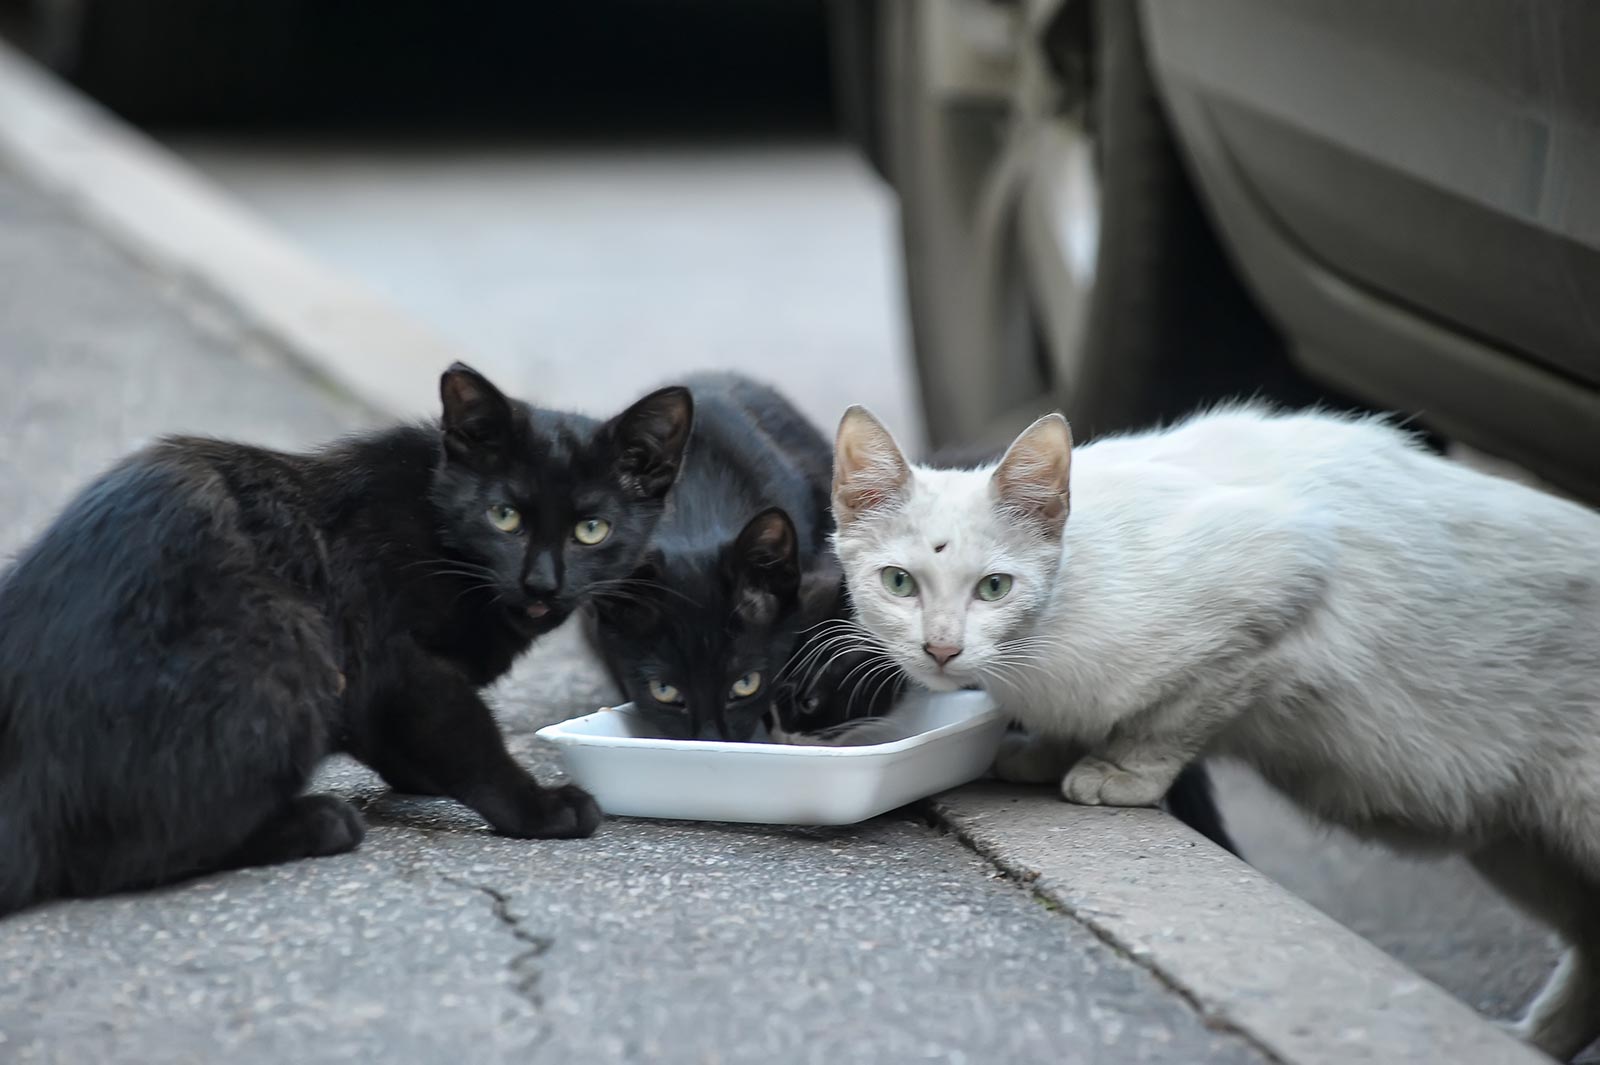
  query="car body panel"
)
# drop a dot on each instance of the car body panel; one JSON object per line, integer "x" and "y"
{"x": 1405, "y": 188}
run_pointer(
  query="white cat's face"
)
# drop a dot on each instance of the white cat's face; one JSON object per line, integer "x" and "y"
{"x": 946, "y": 567}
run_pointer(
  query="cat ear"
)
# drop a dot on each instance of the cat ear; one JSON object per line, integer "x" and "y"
{"x": 869, "y": 472}
{"x": 648, "y": 441}
{"x": 477, "y": 417}
{"x": 765, "y": 561}
{"x": 1031, "y": 480}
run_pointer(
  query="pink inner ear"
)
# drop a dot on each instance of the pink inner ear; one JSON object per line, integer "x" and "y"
{"x": 1034, "y": 485}
{"x": 871, "y": 481}
{"x": 866, "y": 497}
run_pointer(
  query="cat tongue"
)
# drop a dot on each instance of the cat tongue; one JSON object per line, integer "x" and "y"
{"x": 537, "y": 610}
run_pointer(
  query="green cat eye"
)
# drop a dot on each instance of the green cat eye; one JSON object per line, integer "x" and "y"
{"x": 746, "y": 685}
{"x": 591, "y": 531}
{"x": 897, "y": 582}
{"x": 665, "y": 693}
{"x": 505, "y": 517}
{"x": 994, "y": 586}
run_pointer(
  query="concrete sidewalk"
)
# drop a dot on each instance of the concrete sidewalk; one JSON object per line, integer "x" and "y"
{"x": 990, "y": 925}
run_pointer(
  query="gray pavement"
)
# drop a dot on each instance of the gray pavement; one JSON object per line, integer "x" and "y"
{"x": 581, "y": 272}
{"x": 438, "y": 941}
{"x": 581, "y": 275}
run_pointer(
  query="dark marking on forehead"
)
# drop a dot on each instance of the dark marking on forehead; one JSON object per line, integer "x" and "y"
{"x": 940, "y": 547}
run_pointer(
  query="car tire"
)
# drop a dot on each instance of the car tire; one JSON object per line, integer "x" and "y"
{"x": 1165, "y": 325}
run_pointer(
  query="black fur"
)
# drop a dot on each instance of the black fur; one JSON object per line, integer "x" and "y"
{"x": 731, "y": 576}
{"x": 836, "y": 679}
{"x": 207, "y": 621}
{"x": 1192, "y": 799}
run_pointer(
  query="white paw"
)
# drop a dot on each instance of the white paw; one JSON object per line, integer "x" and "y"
{"x": 1095, "y": 782}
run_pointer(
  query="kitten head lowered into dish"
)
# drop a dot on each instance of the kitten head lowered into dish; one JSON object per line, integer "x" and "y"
{"x": 739, "y": 607}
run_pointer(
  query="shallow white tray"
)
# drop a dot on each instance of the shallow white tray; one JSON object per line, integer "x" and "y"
{"x": 632, "y": 773}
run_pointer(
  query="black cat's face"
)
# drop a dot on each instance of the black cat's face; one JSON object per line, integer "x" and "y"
{"x": 836, "y": 676}
{"x": 699, "y": 643}
{"x": 548, "y": 505}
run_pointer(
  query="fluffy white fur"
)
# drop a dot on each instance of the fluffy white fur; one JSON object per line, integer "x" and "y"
{"x": 1407, "y": 647}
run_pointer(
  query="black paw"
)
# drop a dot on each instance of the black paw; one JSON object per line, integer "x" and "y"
{"x": 312, "y": 826}
{"x": 331, "y": 825}
{"x": 567, "y": 812}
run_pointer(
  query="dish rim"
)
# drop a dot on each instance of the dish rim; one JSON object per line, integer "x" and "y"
{"x": 559, "y": 733}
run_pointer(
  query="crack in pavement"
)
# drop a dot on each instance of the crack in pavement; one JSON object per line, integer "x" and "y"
{"x": 1214, "y": 1018}
{"x": 524, "y": 971}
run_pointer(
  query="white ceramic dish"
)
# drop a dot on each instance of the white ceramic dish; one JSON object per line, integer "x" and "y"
{"x": 632, "y": 773}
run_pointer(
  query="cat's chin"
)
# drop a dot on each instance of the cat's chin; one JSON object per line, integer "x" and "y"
{"x": 536, "y": 623}
{"x": 938, "y": 681}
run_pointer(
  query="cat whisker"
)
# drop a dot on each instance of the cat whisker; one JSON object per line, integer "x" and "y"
{"x": 803, "y": 659}
{"x": 496, "y": 596}
{"x": 877, "y": 670}
{"x": 809, "y": 654}
{"x": 819, "y": 669}
{"x": 824, "y": 657}
{"x": 452, "y": 567}
{"x": 838, "y": 623}
{"x": 642, "y": 583}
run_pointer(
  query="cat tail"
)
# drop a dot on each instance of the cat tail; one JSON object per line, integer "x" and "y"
{"x": 1193, "y": 801}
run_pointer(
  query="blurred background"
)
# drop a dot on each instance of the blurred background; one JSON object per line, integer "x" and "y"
{"x": 589, "y": 199}
{"x": 970, "y": 211}
{"x": 961, "y": 212}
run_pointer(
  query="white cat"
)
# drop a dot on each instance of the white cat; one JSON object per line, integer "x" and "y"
{"x": 1405, "y": 646}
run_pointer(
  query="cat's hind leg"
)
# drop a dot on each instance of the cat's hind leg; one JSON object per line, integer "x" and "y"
{"x": 1564, "y": 1017}
{"x": 310, "y": 826}
{"x": 204, "y": 773}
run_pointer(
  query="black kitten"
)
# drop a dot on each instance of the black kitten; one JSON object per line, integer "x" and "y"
{"x": 838, "y": 686}
{"x": 207, "y": 621}
{"x": 696, "y": 637}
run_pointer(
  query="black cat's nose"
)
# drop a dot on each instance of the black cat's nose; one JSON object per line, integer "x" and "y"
{"x": 940, "y": 652}
{"x": 540, "y": 580}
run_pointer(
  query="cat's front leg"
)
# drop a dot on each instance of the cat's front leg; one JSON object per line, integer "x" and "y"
{"x": 1138, "y": 763}
{"x": 1029, "y": 758}
{"x": 1124, "y": 776}
{"x": 437, "y": 724}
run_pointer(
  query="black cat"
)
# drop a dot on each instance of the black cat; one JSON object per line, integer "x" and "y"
{"x": 207, "y": 621}
{"x": 697, "y": 636}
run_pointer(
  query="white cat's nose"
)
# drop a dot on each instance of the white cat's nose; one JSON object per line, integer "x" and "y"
{"x": 940, "y": 652}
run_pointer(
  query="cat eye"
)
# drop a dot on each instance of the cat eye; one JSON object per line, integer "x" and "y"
{"x": 897, "y": 582}
{"x": 746, "y": 685}
{"x": 591, "y": 531}
{"x": 665, "y": 693}
{"x": 505, "y": 518}
{"x": 994, "y": 586}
